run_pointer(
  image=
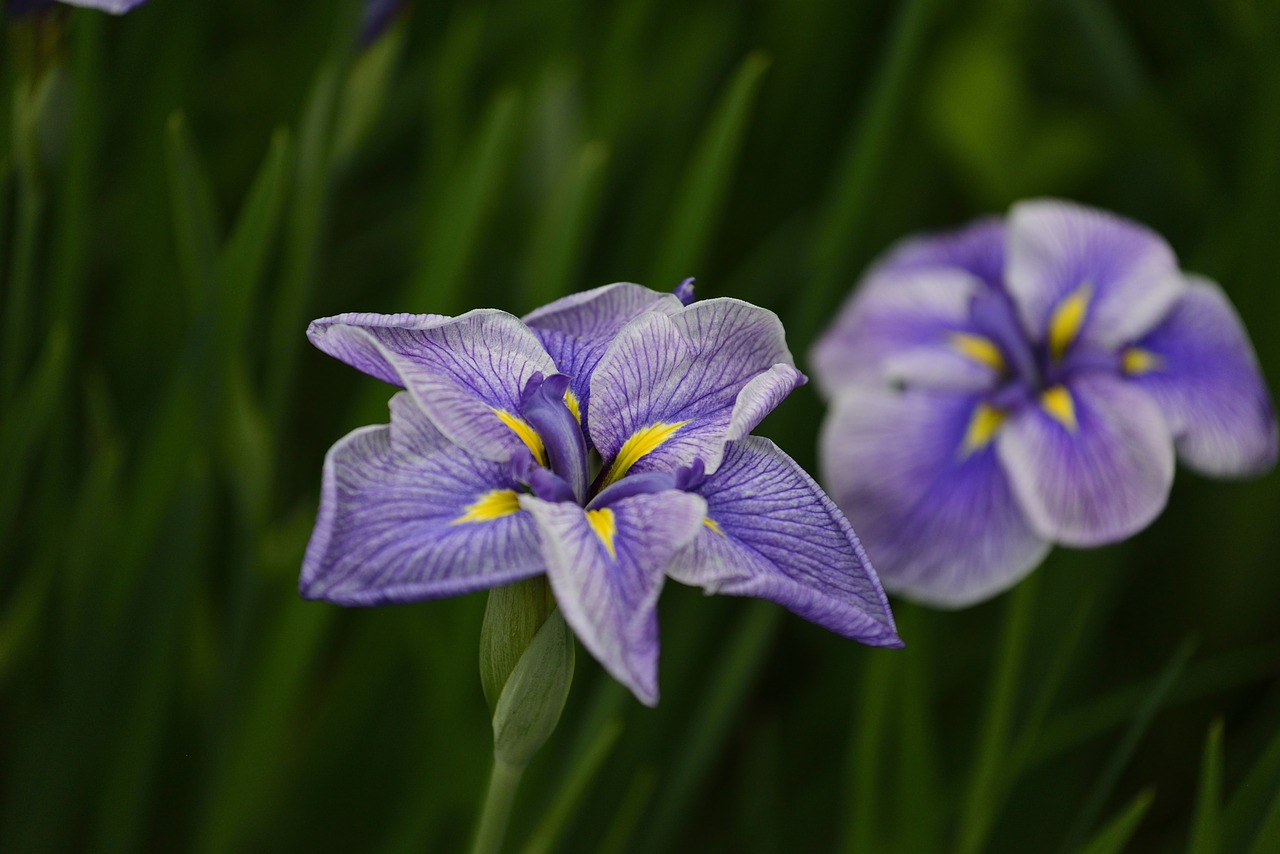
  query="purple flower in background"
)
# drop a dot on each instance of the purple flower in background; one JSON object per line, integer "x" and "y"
{"x": 376, "y": 17}
{"x": 1023, "y": 382}
{"x": 115, "y": 7}
{"x": 602, "y": 440}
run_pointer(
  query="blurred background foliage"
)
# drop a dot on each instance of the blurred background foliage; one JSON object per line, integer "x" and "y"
{"x": 183, "y": 188}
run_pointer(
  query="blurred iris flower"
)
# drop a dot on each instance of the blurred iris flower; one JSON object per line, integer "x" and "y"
{"x": 602, "y": 440}
{"x": 1023, "y": 382}
{"x": 115, "y": 7}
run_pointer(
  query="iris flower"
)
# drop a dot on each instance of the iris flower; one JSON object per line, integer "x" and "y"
{"x": 115, "y": 7}
{"x": 1023, "y": 382}
{"x": 602, "y": 440}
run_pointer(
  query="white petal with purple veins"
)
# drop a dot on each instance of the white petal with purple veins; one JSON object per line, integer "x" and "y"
{"x": 1124, "y": 275}
{"x": 1092, "y": 467}
{"x": 902, "y": 325}
{"x": 689, "y": 369}
{"x": 462, "y": 371}
{"x": 917, "y": 474}
{"x": 773, "y": 533}
{"x": 1199, "y": 367}
{"x": 405, "y": 515}
{"x": 576, "y": 329}
{"x": 607, "y": 571}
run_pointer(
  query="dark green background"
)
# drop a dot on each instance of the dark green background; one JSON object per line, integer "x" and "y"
{"x": 183, "y": 188}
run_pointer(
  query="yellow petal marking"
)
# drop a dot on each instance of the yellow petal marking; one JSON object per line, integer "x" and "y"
{"x": 979, "y": 348}
{"x": 492, "y": 505}
{"x": 713, "y": 525}
{"x": 983, "y": 427}
{"x": 572, "y": 402}
{"x": 1067, "y": 318}
{"x": 1058, "y": 402}
{"x": 1137, "y": 361}
{"x": 641, "y": 443}
{"x": 526, "y": 433}
{"x": 605, "y": 526}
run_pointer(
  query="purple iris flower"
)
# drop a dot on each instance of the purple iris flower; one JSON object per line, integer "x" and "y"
{"x": 602, "y": 440}
{"x": 115, "y": 7}
{"x": 1023, "y": 382}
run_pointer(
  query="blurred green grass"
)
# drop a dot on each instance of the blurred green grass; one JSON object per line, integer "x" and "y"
{"x": 182, "y": 189}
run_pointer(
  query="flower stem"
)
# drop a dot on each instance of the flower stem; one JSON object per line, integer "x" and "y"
{"x": 504, "y": 780}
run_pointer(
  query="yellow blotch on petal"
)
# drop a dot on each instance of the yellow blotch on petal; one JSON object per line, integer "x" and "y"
{"x": 490, "y": 506}
{"x": 526, "y": 433}
{"x": 571, "y": 401}
{"x": 641, "y": 443}
{"x": 1137, "y": 361}
{"x": 1058, "y": 402}
{"x": 983, "y": 427}
{"x": 1067, "y": 318}
{"x": 713, "y": 525}
{"x": 606, "y": 528}
{"x": 979, "y": 348}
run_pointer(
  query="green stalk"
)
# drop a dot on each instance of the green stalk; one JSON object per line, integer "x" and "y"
{"x": 504, "y": 782}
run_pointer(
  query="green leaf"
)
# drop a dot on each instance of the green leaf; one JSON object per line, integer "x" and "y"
{"x": 1206, "y": 824}
{"x": 1268, "y": 839}
{"x": 989, "y": 773}
{"x": 533, "y": 697}
{"x": 706, "y": 181}
{"x": 1141, "y": 718}
{"x": 194, "y": 219}
{"x": 569, "y": 796}
{"x": 876, "y": 694}
{"x": 563, "y": 231}
{"x": 1115, "y": 835}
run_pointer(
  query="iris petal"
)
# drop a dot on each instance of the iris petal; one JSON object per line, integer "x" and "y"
{"x": 404, "y": 516}
{"x": 936, "y": 515}
{"x": 1101, "y": 482}
{"x": 1200, "y": 369}
{"x": 772, "y": 532}
{"x": 607, "y": 574}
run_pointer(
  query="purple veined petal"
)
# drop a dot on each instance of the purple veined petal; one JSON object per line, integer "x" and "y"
{"x": 977, "y": 248}
{"x": 917, "y": 474}
{"x": 606, "y": 568}
{"x": 1200, "y": 369}
{"x": 405, "y": 515}
{"x": 672, "y": 389}
{"x": 913, "y": 326}
{"x": 771, "y": 532}
{"x": 577, "y": 329}
{"x": 1123, "y": 275}
{"x": 463, "y": 371}
{"x": 1092, "y": 464}
{"x": 115, "y": 7}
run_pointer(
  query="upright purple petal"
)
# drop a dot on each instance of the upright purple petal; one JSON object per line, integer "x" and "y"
{"x": 906, "y": 325}
{"x": 1125, "y": 274}
{"x": 977, "y": 248}
{"x": 576, "y": 329}
{"x": 1092, "y": 467}
{"x": 462, "y": 371}
{"x": 1199, "y": 367}
{"x": 700, "y": 377}
{"x": 607, "y": 570}
{"x": 917, "y": 474}
{"x": 772, "y": 532}
{"x": 405, "y": 515}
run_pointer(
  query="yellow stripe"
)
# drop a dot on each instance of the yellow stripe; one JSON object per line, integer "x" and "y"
{"x": 572, "y": 402}
{"x": 983, "y": 426}
{"x": 978, "y": 348}
{"x": 490, "y": 506}
{"x": 713, "y": 525}
{"x": 1136, "y": 361}
{"x": 641, "y": 443}
{"x": 1067, "y": 319}
{"x": 1058, "y": 402}
{"x": 605, "y": 526}
{"x": 526, "y": 433}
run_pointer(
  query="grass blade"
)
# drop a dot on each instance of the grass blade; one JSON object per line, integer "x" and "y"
{"x": 1113, "y": 838}
{"x": 707, "y": 180}
{"x": 1206, "y": 824}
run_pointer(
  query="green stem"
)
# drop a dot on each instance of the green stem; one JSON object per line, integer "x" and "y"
{"x": 503, "y": 783}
